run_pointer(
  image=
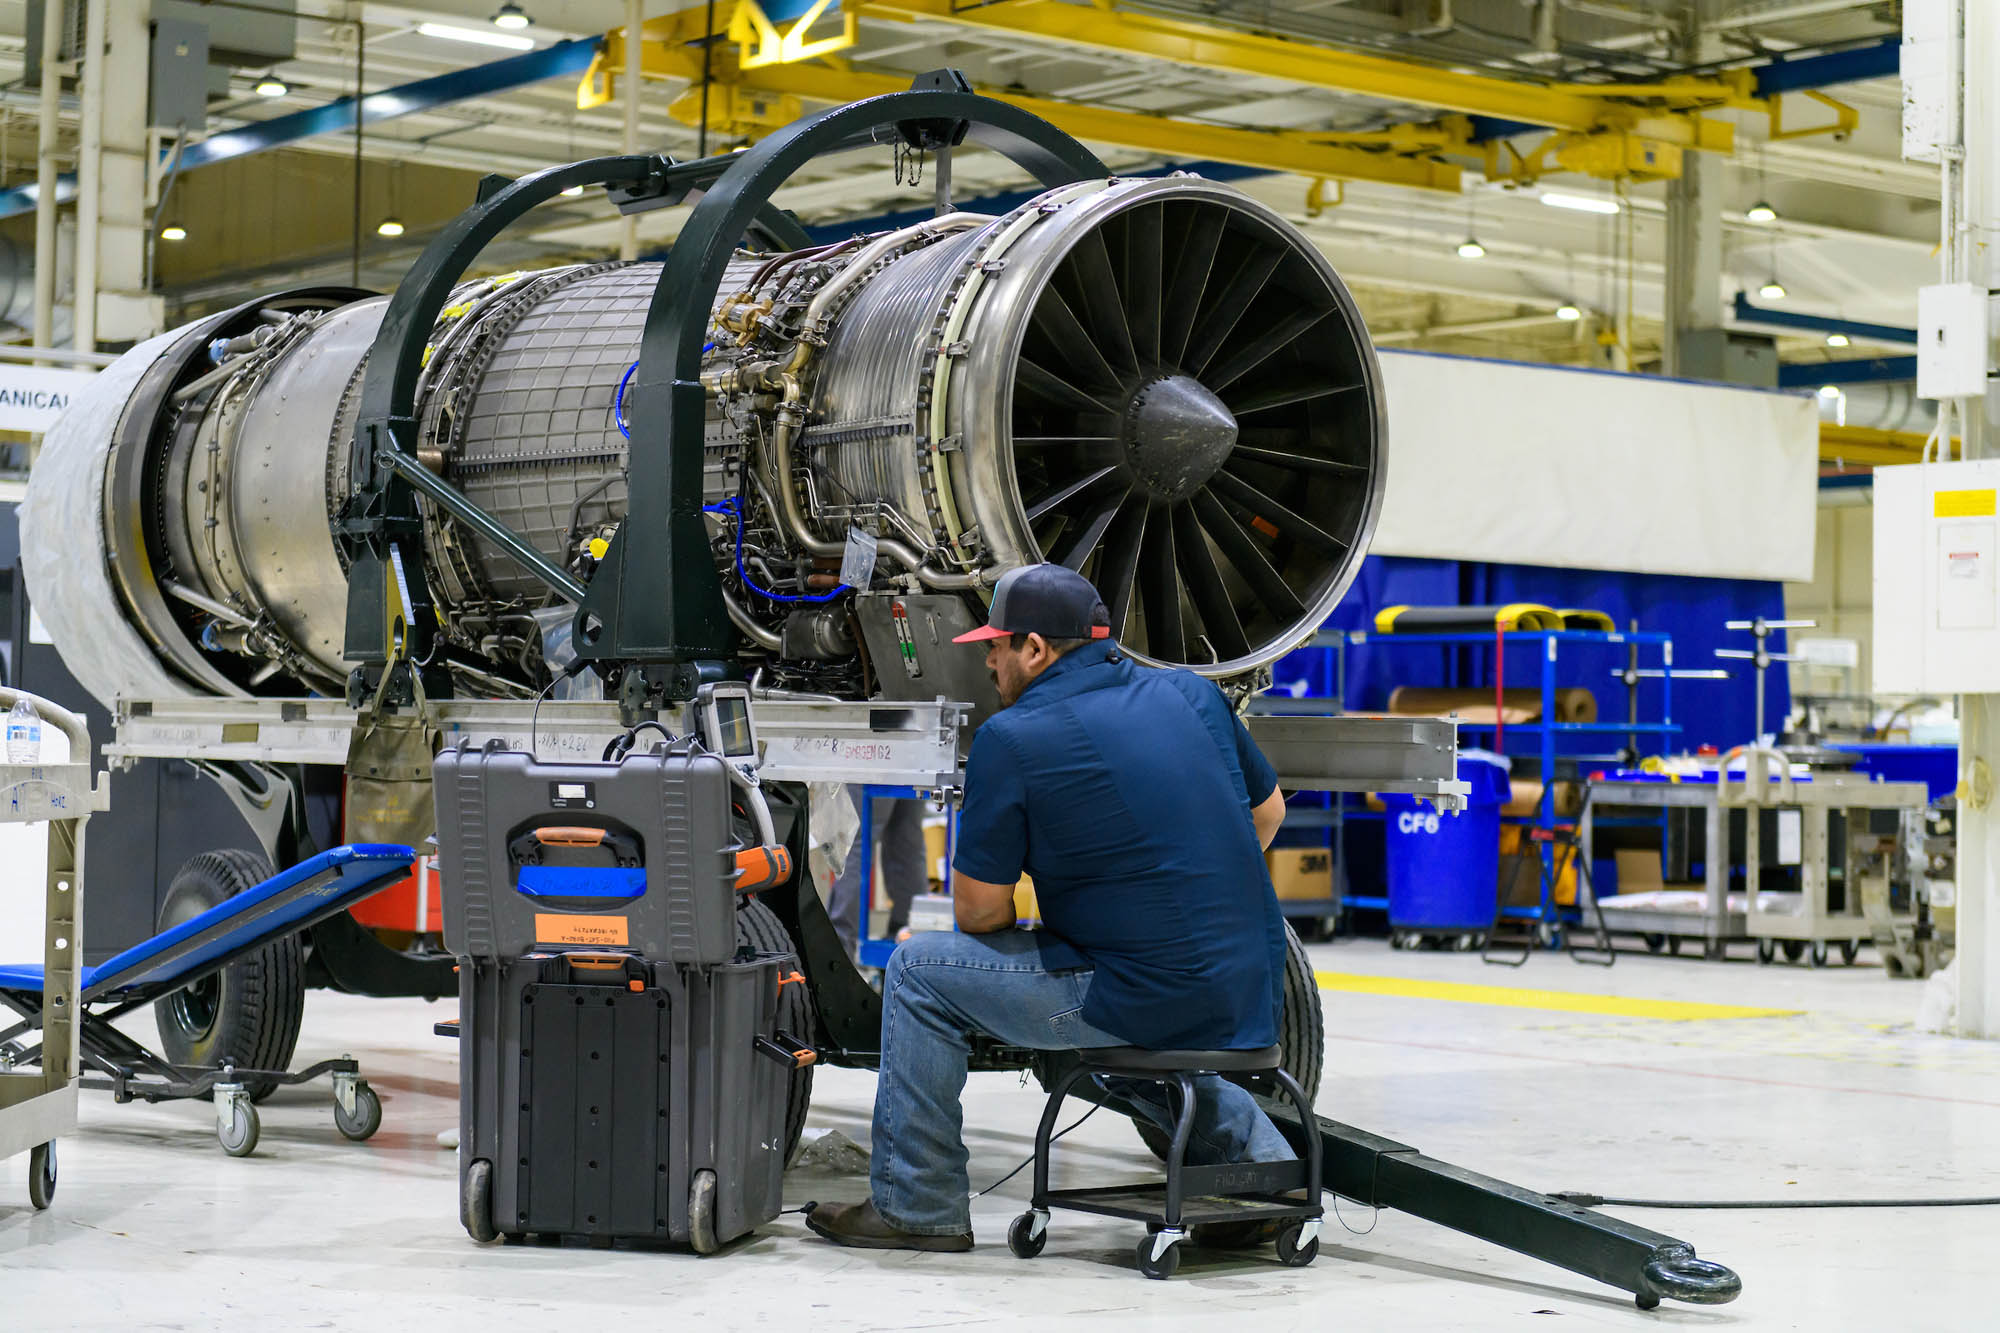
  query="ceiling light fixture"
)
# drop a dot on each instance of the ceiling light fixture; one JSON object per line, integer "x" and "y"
{"x": 173, "y": 231}
{"x": 388, "y": 227}
{"x": 477, "y": 36}
{"x": 272, "y": 86}
{"x": 1569, "y": 312}
{"x": 1579, "y": 203}
{"x": 1470, "y": 248}
{"x": 1761, "y": 212}
{"x": 1772, "y": 290}
{"x": 1837, "y": 340}
{"x": 511, "y": 16}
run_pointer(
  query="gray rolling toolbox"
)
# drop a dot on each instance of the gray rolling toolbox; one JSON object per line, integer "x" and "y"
{"x": 621, "y": 1076}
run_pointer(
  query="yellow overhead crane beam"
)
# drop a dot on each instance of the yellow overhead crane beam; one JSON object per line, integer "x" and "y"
{"x": 1103, "y": 26}
{"x": 755, "y": 100}
{"x": 1627, "y": 131}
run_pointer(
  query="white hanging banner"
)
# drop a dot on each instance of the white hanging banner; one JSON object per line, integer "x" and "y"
{"x": 32, "y": 397}
{"x": 1547, "y": 465}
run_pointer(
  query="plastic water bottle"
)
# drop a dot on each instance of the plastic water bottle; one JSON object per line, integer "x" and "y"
{"x": 24, "y": 734}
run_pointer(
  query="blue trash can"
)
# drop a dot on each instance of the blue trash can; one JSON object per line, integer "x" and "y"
{"x": 1444, "y": 869}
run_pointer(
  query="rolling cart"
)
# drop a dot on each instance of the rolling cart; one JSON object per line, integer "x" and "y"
{"x": 38, "y": 1105}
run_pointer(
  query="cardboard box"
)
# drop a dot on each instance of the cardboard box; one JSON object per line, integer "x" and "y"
{"x": 1301, "y": 873}
{"x": 934, "y": 862}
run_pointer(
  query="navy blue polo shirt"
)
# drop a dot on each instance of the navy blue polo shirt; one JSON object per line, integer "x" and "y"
{"x": 1126, "y": 792}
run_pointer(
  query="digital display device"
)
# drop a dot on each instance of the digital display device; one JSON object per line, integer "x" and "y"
{"x": 732, "y": 726}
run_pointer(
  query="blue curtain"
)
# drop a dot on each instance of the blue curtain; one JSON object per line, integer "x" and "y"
{"x": 1692, "y": 610}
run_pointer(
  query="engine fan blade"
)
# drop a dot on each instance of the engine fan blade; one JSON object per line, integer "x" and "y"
{"x": 1242, "y": 551}
{"x": 1206, "y": 589}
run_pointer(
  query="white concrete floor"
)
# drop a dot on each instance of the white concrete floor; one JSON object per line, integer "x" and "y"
{"x": 153, "y": 1228}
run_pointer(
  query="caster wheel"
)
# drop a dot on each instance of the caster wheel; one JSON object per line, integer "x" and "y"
{"x": 1161, "y": 1268}
{"x": 1674, "y": 945}
{"x": 1645, "y": 1302}
{"x": 42, "y": 1174}
{"x": 1819, "y": 953}
{"x": 1398, "y": 940}
{"x": 1655, "y": 943}
{"x": 514, "y": 1238}
{"x": 475, "y": 1201}
{"x": 1794, "y": 950}
{"x": 1767, "y": 951}
{"x": 1849, "y": 951}
{"x": 238, "y": 1135}
{"x": 366, "y": 1117}
{"x": 1292, "y": 1254}
{"x": 1027, "y": 1234}
{"x": 701, "y": 1214}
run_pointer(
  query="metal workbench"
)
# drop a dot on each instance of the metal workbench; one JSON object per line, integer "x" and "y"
{"x": 1806, "y": 919}
{"x": 39, "y": 1105}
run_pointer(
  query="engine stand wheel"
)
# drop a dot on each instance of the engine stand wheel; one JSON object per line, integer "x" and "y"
{"x": 1767, "y": 951}
{"x": 364, "y": 1118}
{"x": 42, "y": 1174}
{"x": 1819, "y": 953}
{"x": 1849, "y": 951}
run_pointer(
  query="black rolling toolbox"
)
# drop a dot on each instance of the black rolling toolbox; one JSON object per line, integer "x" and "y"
{"x": 621, "y": 1076}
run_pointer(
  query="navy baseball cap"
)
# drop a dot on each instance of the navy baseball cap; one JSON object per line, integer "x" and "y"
{"x": 1053, "y": 601}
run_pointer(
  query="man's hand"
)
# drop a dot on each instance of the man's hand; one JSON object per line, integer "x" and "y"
{"x": 981, "y": 908}
{"x": 1268, "y": 816}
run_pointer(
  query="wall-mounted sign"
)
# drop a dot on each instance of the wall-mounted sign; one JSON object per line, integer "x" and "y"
{"x": 32, "y": 397}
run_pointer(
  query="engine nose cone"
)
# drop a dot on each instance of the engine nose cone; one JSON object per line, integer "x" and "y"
{"x": 1176, "y": 434}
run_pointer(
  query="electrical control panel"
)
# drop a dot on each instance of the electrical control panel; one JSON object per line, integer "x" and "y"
{"x": 1937, "y": 599}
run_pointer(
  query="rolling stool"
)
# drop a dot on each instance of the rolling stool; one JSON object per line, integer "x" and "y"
{"x": 1190, "y": 1195}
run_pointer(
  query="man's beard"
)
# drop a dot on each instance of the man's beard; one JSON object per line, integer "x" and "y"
{"x": 1006, "y": 700}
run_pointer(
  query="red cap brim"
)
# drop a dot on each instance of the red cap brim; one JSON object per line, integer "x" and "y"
{"x": 983, "y": 632}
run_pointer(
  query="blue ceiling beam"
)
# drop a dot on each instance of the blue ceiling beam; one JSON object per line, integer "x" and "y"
{"x": 1877, "y": 60}
{"x": 1747, "y": 313}
{"x": 1860, "y": 370}
{"x": 498, "y": 76}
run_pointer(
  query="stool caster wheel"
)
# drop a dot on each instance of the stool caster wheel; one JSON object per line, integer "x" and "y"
{"x": 1160, "y": 1254}
{"x": 1298, "y": 1244}
{"x": 1028, "y": 1233}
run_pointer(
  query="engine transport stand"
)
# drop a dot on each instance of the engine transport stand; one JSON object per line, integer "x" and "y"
{"x": 37, "y": 1105}
{"x": 915, "y": 744}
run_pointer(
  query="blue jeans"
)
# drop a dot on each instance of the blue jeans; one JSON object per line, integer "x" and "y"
{"x": 940, "y": 988}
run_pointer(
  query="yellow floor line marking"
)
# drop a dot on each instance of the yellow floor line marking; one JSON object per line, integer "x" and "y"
{"x": 1509, "y": 997}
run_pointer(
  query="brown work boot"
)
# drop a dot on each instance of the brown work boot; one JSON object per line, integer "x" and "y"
{"x": 860, "y": 1227}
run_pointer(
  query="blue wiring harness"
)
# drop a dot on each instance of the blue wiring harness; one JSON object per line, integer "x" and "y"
{"x": 728, "y": 506}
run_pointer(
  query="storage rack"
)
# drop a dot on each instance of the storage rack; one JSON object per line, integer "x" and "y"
{"x": 1546, "y": 647}
{"x": 37, "y": 1105}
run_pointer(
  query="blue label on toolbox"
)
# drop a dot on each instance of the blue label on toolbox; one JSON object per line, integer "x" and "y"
{"x": 581, "y": 881}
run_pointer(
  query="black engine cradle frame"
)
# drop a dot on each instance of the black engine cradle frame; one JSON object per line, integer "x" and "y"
{"x": 666, "y": 642}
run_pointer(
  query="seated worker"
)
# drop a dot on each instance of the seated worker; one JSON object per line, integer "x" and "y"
{"x": 1141, "y": 807}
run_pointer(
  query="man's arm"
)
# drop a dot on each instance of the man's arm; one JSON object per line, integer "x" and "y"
{"x": 1268, "y": 816}
{"x": 981, "y": 908}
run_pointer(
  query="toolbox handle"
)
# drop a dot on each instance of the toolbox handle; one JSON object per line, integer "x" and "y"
{"x": 566, "y": 835}
{"x": 762, "y": 867}
{"x": 526, "y": 848}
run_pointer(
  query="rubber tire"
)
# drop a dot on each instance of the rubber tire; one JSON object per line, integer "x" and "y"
{"x": 1290, "y": 1253}
{"x": 1021, "y": 1237}
{"x": 240, "y": 1139}
{"x": 1794, "y": 950}
{"x": 1162, "y": 1268}
{"x": 758, "y": 926}
{"x": 367, "y": 1116}
{"x": 1767, "y": 951}
{"x": 42, "y": 1174}
{"x": 1646, "y": 1302}
{"x": 259, "y": 1000}
{"x": 701, "y": 1213}
{"x": 1819, "y": 954}
{"x": 1301, "y": 1036}
{"x": 1849, "y": 951}
{"x": 1655, "y": 943}
{"x": 475, "y": 1201}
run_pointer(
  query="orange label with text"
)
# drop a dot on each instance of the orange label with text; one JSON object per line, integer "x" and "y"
{"x": 555, "y": 928}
